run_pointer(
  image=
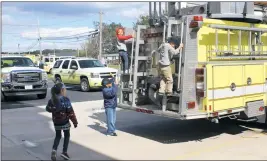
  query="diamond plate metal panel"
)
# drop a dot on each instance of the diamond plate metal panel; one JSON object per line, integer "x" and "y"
{"x": 190, "y": 61}
{"x": 252, "y": 109}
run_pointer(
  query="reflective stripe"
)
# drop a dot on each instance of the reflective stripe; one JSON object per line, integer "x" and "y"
{"x": 239, "y": 91}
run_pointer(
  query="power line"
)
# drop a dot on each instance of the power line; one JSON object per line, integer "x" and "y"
{"x": 78, "y": 38}
{"x": 54, "y": 24}
{"x": 72, "y": 36}
{"x": 69, "y": 41}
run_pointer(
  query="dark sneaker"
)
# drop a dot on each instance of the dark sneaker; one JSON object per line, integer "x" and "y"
{"x": 112, "y": 134}
{"x": 65, "y": 156}
{"x": 54, "y": 155}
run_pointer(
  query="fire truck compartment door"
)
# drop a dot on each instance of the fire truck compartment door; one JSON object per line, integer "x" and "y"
{"x": 227, "y": 91}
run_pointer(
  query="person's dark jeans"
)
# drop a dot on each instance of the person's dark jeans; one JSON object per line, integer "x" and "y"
{"x": 66, "y": 140}
{"x": 125, "y": 60}
{"x": 111, "y": 119}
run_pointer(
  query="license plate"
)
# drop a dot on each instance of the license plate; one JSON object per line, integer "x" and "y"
{"x": 28, "y": 87}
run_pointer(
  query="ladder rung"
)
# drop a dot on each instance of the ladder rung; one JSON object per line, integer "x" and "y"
{"x": 141, "y": 42}
{"x": 141, "y": 74}
{"x": 138, "y": 74}
{"x": 126, "y": 90}
{"x": 143, "y": 58}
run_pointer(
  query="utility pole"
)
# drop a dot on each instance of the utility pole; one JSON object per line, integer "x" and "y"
{"x": 86, "y": 48}
{"x": 40, "y": 45}
{"x": 78, "y": 52}
{"x": 18, "y": 49}
{"x": 54, "y": 49}
{"x": 100, "y": 34}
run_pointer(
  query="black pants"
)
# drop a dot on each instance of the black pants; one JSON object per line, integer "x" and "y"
{"x": 66, "y": 140}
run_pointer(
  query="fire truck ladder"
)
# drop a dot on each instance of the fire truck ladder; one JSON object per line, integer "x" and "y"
{"x": 251, "y": 53}
{"x": 131, "y": 87}
{"x": 179, "y": 26}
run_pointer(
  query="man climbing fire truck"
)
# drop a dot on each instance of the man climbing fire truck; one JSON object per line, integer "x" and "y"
{"x": 223, "y": 73}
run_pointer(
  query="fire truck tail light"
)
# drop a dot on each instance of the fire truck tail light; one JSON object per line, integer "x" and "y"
{"x": 191, "y": 105}
{"x": 193, "y": 24}
{"x": 200, "y": 83}
{"x": 200, "y": 93}
{"x": 199, "y": 71}
{"x": 215, "y": 114}
{"x": 261, "y": 108}
{"x": 144, "y": 111}
{"x": 198, "y": 18}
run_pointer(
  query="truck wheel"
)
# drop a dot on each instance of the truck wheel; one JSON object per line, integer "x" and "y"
{"x": 85, "y": 85}
{"x": 3, "y": 97}
{"x": 58, "y": 80}
{"x": 41, "y": 96}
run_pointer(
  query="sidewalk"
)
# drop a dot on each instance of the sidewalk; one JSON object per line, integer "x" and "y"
{"x": 34, "y": 124}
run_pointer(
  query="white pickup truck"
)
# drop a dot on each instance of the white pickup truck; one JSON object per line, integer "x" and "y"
{"x": 19, "y": 77}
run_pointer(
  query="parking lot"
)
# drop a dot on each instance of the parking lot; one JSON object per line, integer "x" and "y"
{"x": 140, "y": 136}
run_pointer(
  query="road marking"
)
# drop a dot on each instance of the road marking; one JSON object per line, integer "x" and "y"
{"x": 218, "y": 146}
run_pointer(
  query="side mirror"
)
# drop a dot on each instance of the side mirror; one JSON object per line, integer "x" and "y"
{"x": 74, "y": 67}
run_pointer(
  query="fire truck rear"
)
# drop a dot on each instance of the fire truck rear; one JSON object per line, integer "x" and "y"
{"x": 221, "y": 71}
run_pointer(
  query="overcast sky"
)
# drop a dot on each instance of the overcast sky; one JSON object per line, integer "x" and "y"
{"x": 19, "y": 21}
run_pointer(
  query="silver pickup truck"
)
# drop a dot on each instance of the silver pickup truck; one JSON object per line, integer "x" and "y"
{"x": 20, "y": 77}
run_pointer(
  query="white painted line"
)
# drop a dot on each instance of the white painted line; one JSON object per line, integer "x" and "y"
{"x": 239, "y": 91}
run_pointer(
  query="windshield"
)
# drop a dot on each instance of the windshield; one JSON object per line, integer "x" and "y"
{"x": 16, "y": 62}
{"x": 90, "y": 63}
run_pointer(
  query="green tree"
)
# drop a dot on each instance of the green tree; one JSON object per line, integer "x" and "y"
{"x": 108, "y": 41}
{"x": 142, "y": 20}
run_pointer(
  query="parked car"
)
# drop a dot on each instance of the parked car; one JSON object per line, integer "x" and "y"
{"x": 19, "y": 77}
{"x": 84, "y": 72}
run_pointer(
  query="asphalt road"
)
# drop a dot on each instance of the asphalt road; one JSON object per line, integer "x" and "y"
{"x": 30, "y": 101}
{"x": 141, "y": 136}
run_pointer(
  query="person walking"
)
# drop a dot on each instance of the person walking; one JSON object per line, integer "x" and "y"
{"x": 62, "y": 111}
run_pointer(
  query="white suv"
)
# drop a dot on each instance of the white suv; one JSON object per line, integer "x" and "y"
{"x": 85, "y": 72}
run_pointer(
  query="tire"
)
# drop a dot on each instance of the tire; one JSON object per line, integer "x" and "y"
{"x": 58, "y": 80}
{"x": 3, "y": 97}
{"x": 84, "y": 85}
{"x": 42, "y": 96}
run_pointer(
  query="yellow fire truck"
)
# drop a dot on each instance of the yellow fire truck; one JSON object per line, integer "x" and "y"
{"x": 221, "y": 71}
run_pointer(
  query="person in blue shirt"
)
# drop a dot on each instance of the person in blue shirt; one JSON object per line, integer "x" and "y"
{"x": 109, "y": 91}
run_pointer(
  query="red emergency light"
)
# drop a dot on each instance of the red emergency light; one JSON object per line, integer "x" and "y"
{"x": 198, "y": 18}
{"x": 191, "y": 105}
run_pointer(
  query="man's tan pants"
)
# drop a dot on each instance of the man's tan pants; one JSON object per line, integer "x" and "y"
{"x": 166, "y": 83}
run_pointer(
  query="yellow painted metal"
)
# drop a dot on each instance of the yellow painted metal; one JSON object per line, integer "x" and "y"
{"x": 225, "y": 72}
